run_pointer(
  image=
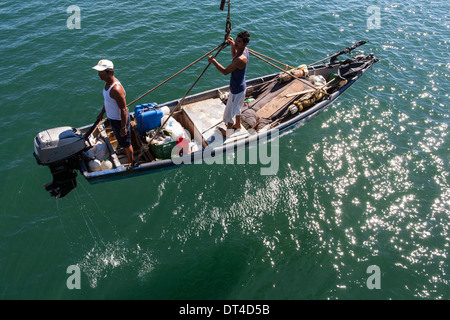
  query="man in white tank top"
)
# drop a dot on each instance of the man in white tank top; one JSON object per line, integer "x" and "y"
{"x": 115, "y": 107}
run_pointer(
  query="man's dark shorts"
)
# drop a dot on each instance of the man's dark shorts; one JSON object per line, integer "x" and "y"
{"x": 116, "y": 125}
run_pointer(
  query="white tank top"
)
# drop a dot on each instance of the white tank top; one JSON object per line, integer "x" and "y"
{"x": 111, "y": 107}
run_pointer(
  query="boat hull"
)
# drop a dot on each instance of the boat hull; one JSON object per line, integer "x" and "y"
{"x": 208, "y": 153}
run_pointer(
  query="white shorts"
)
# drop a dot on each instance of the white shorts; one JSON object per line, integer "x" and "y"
{"x": 233, "y": 108}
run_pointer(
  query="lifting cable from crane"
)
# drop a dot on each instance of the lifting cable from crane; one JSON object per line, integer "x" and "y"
{"x": 173, "y": 76}
{"x": 145, "y": 147}
{"x": 228, "y": 28}
{"x": 228, "y": 25}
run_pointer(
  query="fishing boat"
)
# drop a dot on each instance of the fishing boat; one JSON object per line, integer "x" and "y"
{"x": 187, "y": 130}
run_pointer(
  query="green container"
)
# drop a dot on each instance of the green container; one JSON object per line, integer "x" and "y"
{"x": 163, "y": 151}
{"x": 332, "y": 76}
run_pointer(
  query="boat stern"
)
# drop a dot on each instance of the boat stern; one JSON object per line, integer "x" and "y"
{"x": 60, "y": 150}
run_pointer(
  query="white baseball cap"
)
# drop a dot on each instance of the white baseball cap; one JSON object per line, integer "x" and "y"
{"x": 103, "y": 65}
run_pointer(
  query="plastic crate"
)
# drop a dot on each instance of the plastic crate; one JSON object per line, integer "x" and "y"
{"x": 163, "y": 151}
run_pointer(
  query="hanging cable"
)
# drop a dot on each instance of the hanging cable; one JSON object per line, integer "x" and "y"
{"x": 145, "y": 147}
{"x": 228, "y": 25}
{"x": 173, "y": 76}
{"x": 228, "y": 28}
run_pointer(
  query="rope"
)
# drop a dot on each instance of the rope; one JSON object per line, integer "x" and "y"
{"x": 228, "y": 28}
{"x": 295, "y": 77}
{"x": 228, "y": 25}
{"x": 222, "y": 46}
{"x": 260, "y": 54}
{"x": 144, "y": 148}
{"x": 173, "y": 76}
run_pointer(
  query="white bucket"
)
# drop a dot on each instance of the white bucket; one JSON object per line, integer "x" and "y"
{"x": 94, "y": 165}
{"x": 106, "y": 165}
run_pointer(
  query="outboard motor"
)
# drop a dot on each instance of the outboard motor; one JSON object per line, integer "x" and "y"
{"x": 60, "y": 149}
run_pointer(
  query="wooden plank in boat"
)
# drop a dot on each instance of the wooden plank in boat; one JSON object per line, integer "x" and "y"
{"x": 280, "y": 100}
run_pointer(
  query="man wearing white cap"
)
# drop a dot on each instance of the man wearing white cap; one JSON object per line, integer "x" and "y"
{"x": 115, "y": 107}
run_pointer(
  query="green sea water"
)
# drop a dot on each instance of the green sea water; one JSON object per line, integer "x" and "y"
{"x": 366, "y": 183}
